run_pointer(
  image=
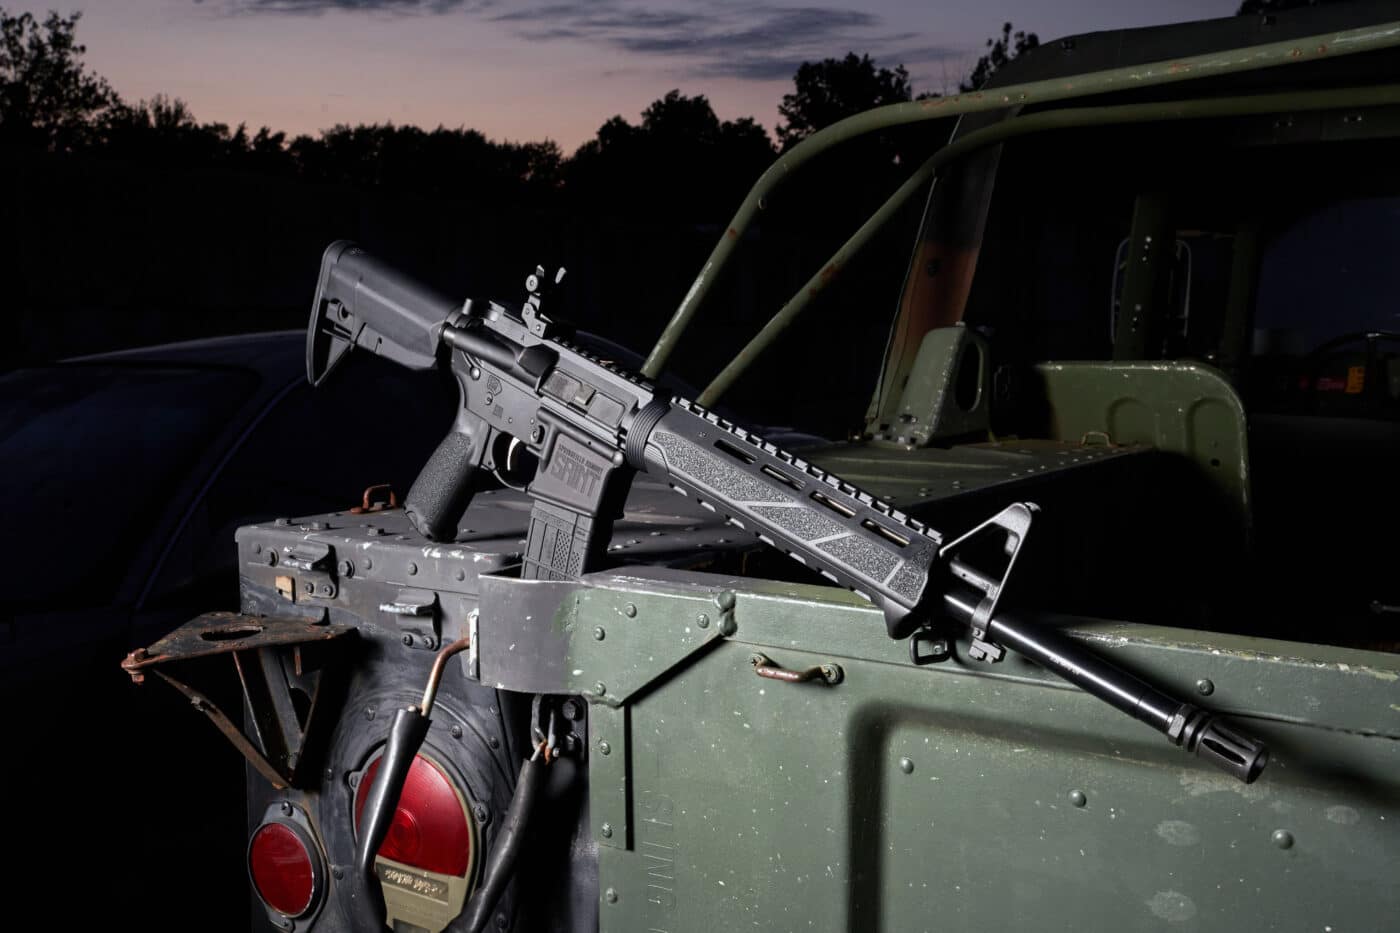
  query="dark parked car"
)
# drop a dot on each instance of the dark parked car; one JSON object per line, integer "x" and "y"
{"x": 127, "y": 474}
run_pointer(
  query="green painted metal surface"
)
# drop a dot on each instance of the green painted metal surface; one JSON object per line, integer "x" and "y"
{"x": 924, "y": 474}
{"x": 1183, "y": 408}
{"x": 964, "y": 796}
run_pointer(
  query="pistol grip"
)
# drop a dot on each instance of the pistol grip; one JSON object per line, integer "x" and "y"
{"x": 443, "y": 489}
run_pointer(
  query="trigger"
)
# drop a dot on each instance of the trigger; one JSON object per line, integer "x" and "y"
{"x": 513, "y": 462}
{"x": 511, "y": 455}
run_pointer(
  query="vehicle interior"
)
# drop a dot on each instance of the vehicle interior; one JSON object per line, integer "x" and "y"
{"x": 1219, "y": 291}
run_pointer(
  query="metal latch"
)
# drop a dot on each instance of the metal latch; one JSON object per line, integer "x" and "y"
{"x": 308, "y": 555}
{"x": 417, "y": 612}
{"x": 316, "y": 561}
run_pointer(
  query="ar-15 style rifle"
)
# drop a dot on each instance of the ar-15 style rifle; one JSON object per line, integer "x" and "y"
{"x": 530, "y": 396}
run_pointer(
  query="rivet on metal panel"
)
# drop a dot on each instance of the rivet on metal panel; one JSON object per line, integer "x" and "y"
{"x": 598, "y": 633}
{"x": 1282, "y": 838}
{"x": 629, "y": 610}
{"x": 456, "y": 732}
{"x": 610, "y": 895}
{"x": 600, "y": 688}
{"x": 725, "y": 601}
{"x": 286, "y": 808}
{"x": 906, "y": 765}
{"x": 1204, "y": 687}
{"x": 346, "y": 568}
{"x": 370, "y": 712}
{"x": 604, "y": 748}
{"x": 460, "y": 575}
{"x": 412, "y": 568}
{"x": 702, "y": 620}
{"x": 1077, "y": 798}
{"x": 605, "y": 830}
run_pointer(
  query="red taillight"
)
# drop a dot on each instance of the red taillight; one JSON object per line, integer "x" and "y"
{"x": 430, "y": 828}
{"x": 283, "y": 872}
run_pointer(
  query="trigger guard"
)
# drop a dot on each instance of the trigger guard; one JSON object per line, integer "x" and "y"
{"x": 502, "y": 463}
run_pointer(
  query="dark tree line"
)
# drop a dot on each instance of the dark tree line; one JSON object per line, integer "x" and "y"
{"x": 679, "y": 150}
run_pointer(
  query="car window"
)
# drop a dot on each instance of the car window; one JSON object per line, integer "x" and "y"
{"x": 90, "y": 453}
{"x": 316, "y": 451}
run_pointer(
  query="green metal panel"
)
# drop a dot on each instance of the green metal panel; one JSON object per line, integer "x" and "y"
{"x": 969, "y": 797}
{"x": 1185, "y": 408}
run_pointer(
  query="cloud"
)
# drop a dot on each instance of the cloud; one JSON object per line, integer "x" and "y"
{"x": 723, "y": 38}
{"x": 362, "y": 6}
{"x": 761, "y": 41}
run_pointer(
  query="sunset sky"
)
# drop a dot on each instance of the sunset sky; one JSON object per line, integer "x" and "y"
{"x": 532, "y": 70}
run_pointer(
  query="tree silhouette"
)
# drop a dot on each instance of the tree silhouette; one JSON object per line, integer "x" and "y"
{"x": 48, "y": 98}
{"x": 835, "y": 88}
{"x": 1001, "y": 51}
{"x": 452, "y": 163}
{"x": 681, "y": 157}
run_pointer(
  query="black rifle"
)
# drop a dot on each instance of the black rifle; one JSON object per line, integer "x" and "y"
{"x": 528, "y": 394}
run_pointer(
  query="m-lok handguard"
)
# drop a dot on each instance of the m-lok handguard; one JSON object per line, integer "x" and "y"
{"x": 530, "y": 396}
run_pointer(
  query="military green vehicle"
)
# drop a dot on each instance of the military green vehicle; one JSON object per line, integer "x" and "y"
{"x": 1147, "y": 350}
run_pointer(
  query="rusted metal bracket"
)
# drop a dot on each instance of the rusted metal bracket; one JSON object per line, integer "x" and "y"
{"x": 284, "y": 667}
{"x": 377, "y": 498}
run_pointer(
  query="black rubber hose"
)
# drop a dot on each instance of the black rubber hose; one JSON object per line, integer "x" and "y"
{"x": 506, "y": 851}
{"x": 405, "y": 738}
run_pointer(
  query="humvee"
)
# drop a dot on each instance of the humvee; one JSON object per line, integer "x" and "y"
{"x": 1154, "y": 290}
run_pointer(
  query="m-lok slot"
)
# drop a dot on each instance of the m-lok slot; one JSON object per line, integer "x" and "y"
{"x": 734, "y": 451}
{"x": 832, "y": 504}
{"x": 890, "y": 536}
{"x": 781, "y": 477}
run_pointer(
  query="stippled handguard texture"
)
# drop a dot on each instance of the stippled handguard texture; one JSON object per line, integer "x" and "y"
{"x": 443, "y": 489}
{"x": 846, "y": 534}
